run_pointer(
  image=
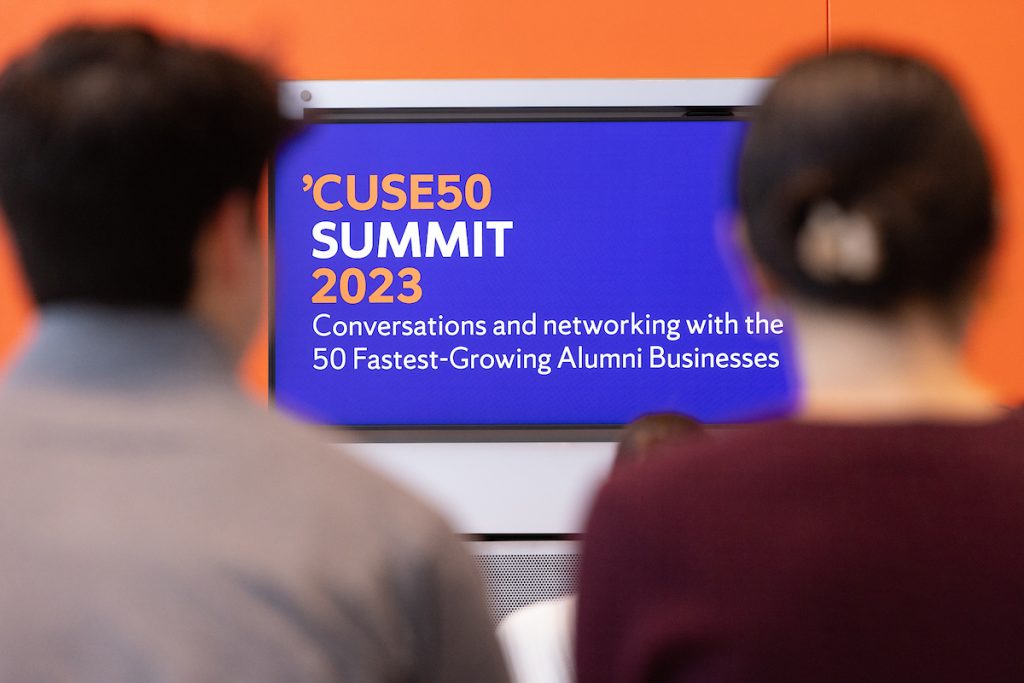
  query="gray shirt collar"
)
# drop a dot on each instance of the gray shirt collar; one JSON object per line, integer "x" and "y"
{"x": 81, "y": 347}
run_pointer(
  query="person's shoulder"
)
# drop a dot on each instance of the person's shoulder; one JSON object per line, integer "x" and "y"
{"x": 726, "y": 450}
{"x": 244, "y": 449}
{"x": 706, "y": 473}
{"x": 341, "y": 502}
{"x": 338, "y": 480}
{"x": 754, "y": 456}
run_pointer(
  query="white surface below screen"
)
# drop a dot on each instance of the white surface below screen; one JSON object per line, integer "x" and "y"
{"x": 498, "y": 488}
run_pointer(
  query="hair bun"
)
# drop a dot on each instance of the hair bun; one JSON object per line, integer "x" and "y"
{"x": 835, "y": 245}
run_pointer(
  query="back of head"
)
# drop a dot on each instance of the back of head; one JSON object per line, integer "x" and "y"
{"x": 115, "y": 146}
{"x": 643, "y": 437}
{"x": 864, "y": 185}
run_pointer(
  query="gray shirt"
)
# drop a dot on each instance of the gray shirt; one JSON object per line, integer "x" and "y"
{"x": 157, "y": 526}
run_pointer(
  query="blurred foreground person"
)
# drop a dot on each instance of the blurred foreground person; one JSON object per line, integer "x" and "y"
{"x": 875, "y": 537}
{"x": 153, "y": 524}
{"x": 538, "y": 639}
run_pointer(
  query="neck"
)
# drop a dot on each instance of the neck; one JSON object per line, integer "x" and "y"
{"x": 227, "y": 335}
{"x": 907, "y": 366}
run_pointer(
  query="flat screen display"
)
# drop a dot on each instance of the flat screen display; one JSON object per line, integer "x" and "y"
{"x": 553, "y": 271}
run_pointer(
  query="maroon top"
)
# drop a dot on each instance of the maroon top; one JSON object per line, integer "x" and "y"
{"x": 826, "y": 553}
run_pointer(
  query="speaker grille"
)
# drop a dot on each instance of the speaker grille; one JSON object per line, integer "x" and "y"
{"x": 514, "y": 580}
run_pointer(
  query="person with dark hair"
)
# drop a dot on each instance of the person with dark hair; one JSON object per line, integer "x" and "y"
{"x": 645, "y": 436}
{"x": 538, "y": 639}
{"x": 155, "y": 524}
{"x": 876, "y": 535}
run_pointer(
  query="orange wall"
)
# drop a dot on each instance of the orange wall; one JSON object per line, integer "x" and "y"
{"x": 601, "y": 38}
{"x": 469, "y": 38}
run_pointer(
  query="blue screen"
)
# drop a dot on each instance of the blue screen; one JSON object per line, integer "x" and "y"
{"x": 516, "y": 273}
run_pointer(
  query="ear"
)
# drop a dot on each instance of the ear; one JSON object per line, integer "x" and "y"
{"x": 226, "y": 286}
{"x": 225, "y": 245}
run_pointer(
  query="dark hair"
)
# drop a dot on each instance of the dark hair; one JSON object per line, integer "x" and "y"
{"x": 115, "y": 146}
{"x": 882, "y": 137}
{"x": 643, "y": 436}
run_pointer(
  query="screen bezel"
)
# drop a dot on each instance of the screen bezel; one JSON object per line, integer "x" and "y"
{"x": 468, "y": 433}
